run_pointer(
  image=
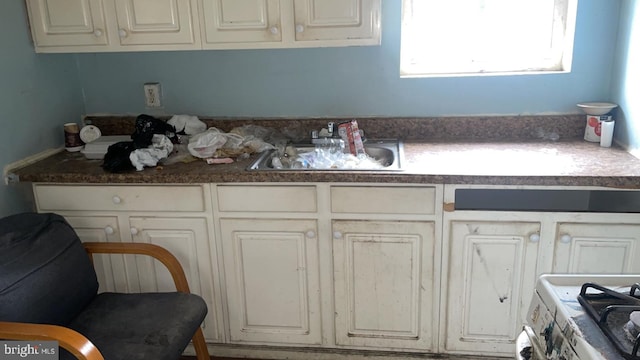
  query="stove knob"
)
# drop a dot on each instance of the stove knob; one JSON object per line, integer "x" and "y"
{"x": 534, "y": 238}
{"x": 565, "y": 239}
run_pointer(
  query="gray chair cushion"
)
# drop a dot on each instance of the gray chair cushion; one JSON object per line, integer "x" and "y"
{"x": 154, "y": 326}
{"x": 45, "y": 273}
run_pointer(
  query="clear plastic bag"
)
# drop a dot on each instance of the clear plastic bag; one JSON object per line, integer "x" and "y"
{"x": 205, "y": 144}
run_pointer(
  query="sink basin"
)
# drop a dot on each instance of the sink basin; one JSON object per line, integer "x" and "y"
{"x": 383, "y": 155}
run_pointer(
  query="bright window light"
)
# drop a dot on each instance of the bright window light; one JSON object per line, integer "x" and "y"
{"x": 486, "y": 36}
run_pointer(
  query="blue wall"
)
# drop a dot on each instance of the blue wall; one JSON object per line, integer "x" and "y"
{"x": 38, "y": 93}
{"x": 354, "y": 81}
{"x": 626, "y": 84}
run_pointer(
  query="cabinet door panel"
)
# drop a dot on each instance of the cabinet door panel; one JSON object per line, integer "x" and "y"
{"x": 109, "y": 268}
{"x": 597, "y": 249}
{"x": 68, "y": 22}
{"x": 272, "y": 280}
{"x": 492, "y": 269}
{"x": 336, "y": 19}
{"x": 188, "y": 240}
{"x": 147, "y": 22}
{"x": 381, "y": 273}
{"x": 237, "y": 21}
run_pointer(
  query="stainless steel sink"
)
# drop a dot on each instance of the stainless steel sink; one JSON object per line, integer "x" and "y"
{"x": 387, "y": 153}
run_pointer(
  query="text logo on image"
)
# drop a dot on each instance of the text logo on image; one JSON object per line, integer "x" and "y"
{"x": 32, "y": 350}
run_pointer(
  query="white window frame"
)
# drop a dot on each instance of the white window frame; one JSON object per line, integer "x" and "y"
{"x": 415, "y": 61}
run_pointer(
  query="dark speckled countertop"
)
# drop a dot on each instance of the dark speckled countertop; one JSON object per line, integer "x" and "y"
{"x": 573, "y": 163}
{"x": 436, "y": 151}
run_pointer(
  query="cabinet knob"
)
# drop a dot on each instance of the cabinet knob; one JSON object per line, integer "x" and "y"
{"x": 311, "y": 234}
{"x": 274, "y": 30}
{"x": 134, "y": 231}
{"x": 337, "y": 235}
{"x": 108, "y": 230}
{"x": 123, "y": 33}
{"x": 97, "y": 33}
{"x": 299, "y": 28}
{"x": 117, "y": 200}
{"x": 565, "y": 239}
{"x": 534, "y": 238}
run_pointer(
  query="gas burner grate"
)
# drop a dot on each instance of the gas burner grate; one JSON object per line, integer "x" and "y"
{"x": 610, "y": 310}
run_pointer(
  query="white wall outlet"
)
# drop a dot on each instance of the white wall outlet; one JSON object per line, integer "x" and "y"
{"x": 152, "y": 94}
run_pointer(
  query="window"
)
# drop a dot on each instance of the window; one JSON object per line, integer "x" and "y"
{"x": 486, "y": 36}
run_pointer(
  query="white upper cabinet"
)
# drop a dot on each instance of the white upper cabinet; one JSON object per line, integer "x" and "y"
{"x": 159, "y": 22}
{"x": 247, "y": 24}
{"x": 77, "y": 23}
{"x": 338, "y": 20}
{"x": 113, "y": 25}
{"x": 158, "y": 25}
{"x": 241, "y": 21}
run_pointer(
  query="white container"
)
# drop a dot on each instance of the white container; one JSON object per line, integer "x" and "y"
{"x": 606, "y": 133}
{"x": 95, "y": 150}
{"x": 593, "y": 130}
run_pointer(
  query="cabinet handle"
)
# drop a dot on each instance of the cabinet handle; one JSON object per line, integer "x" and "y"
{"x": 97, "y": 33}
{"x": 117, "y": 200}
{"x": 274, "y": 30}
{"x": 565, "y": 239}
{"x": 108, "y": 230}
{"x": 123, "y": 33}
{"x": 299, "y": 28}
{"x": 534, "y": 238}
{"x": 311, "y": 234}
{"x": 134, "y": 231}
{"x": 337, "y": 235}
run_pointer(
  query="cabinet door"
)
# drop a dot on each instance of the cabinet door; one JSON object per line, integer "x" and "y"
{"x": 597, "y": 249}
{"x": 162, "y": 22}
{"x": 272, "y": 280}
{"x": 188, "y": 240}
{"x": 341, "y": 20}
{"x": 67, "y": 22}
{"x": 384, "y": 287}
{"x": 492, "y": 272}
{"x": 109, "y": 268}
{"x": 241, "y": 21}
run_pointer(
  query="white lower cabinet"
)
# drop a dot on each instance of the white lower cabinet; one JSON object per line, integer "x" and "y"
{"x": 492, "y": 271}
{"x": 383, "y": 284}
{"x": 272, "y": 280}
{"x": 109, "y": 268}
{"x": 170, "y": 216}
{"x": 344, "y": 266}
{"x": 597, "y": 248}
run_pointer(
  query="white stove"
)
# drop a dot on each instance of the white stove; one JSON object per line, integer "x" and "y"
{"x": 559, "y": 327}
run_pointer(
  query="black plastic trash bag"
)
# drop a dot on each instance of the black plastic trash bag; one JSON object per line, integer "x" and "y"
{"x": 116, "y": 159}
{"x": 146, "y": 127}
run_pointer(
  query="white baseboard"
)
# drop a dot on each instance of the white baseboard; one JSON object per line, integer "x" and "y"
{"x": 8, "y": 171}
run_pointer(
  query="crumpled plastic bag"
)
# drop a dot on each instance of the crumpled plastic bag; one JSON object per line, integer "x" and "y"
{"x": 116, "y": 160}
{"x": 147, "y": 126}
{"x": 187, "y": 124}
{"x": 205, "y": 144}
{"x": 159, "y": 149}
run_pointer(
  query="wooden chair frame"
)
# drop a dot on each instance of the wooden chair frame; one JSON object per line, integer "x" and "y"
{"x": 78, "y": 344}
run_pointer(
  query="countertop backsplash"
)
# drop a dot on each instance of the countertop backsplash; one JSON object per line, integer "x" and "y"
{"x": 480, "y": 128}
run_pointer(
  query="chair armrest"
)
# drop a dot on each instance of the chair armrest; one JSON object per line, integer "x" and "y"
{"x": 155, "y": 251}
{"x": 71, "y": 340}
